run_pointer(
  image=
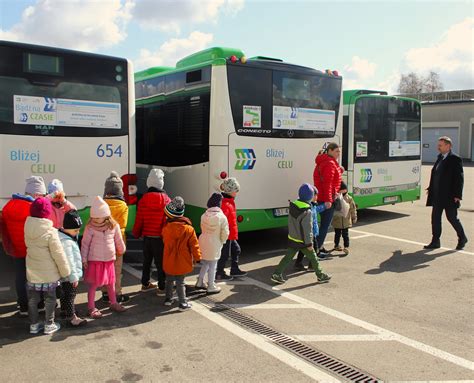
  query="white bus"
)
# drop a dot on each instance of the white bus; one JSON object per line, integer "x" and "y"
{"x": 217, "y": 115}
{"x": 381, "y": 147}
{"x": 67, "y": 115}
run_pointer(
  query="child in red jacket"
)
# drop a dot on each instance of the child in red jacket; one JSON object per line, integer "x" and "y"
{"x": 14, "y": 216}
{"x": 230, "y": 187}
{"x": 149, "y": 225}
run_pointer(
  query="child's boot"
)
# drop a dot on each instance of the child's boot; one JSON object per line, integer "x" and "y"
{"x": 337, "y": 248}
{"x": 346, "y": 252}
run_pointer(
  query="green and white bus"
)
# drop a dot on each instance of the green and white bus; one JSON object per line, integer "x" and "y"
{"x": 67, "y": 115}
{"x": 218, "y": 114}
{"x": 381, "y": 147}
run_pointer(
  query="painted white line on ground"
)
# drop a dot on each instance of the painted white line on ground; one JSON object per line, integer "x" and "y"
{"x": 341, "y": 338}
{"x": 368, "y": 326}
{"x": 283, "y": 251}
{"x": 3, "y": 289}
{"x": 255, "y": 340}
{"x": 266, "y": 346}
{"x": 409, "y": 241}
{"x": 265, "y": 306}
{"x": 361, "y": 236}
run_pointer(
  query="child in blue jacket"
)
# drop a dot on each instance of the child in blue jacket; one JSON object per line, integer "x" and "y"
{"x": 315, "y": 210}
{"x": 68, "y": 235}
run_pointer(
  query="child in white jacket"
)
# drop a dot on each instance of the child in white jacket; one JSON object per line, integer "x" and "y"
{"x": 215, "y": 231}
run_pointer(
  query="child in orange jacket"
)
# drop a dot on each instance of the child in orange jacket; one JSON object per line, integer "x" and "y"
{"x": 114, "y": 197}
{"x": 180, "y": 253}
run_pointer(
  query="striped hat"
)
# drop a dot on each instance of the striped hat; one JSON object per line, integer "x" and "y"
{"x": 175, "y": 208}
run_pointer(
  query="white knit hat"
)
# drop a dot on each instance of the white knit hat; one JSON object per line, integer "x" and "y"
{"x": 156, "y": 179}
{"x": 55, "y": 186}
{"x": 230, "y": 185}
{"x": 35, "y": 185}
{"x": 99, "y": 208}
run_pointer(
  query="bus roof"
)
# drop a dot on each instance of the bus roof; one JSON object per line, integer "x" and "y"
{"x": 210, "y": 56}
{"x": 350, "y": 96}
{"x": 6, "y": 43}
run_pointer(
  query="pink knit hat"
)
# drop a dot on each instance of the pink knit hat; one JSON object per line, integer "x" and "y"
{"x": 41, "y": 208}
{"x": 99, "y": 208}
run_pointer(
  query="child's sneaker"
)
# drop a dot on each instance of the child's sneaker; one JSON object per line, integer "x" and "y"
{"x": 323, "y": 278}
{"x": 298, "y": 266}
{"x": 51, "y": 328}
{"x": 223, "y": 277}
{"x": 149, "y": 286}
{"x": 199, "y": 286}
{"x": 337, "y": 248}
{"x": 184, "y": 306}
{"x": 278, "y": 278}
{"x": 122, "y": 298}
{"x": 168, "y": 302}
{"x": 117, "y": 307}
{"x": 213, "y": 289}
{"x": 36, "y": 328}
{"x": 23, "y": 312}
{"x": 346, "y": 252}
{"x": 105, "y": 297}
{"x": 237, "y": 273}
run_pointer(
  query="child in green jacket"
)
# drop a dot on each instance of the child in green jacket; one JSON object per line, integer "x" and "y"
{"x": 300, "y": 235}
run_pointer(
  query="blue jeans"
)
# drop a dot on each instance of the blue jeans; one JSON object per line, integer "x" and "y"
{"x": 326, "y": 219}
{"x": 230, "y": 249}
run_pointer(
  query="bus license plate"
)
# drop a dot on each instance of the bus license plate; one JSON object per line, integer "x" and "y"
{"x": 281, "y": 212}
{"x": 390, "y": 199}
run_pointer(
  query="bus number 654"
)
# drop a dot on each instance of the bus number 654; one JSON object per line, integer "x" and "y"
{"x": 108, "y": 150}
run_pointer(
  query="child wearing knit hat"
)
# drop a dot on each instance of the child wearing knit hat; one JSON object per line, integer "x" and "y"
{"x": 214, "y": 233}
{"x": 114, "y": 197}
{"x": 101, "y": 243}
{"x": 316, "y": 208}
{"x": 230, "y": 187}
{"x": 342, "y": 224}
{"x": 46, "y": 264}
{"x": 68, "y": 235}
{"x": 14, "y": 215}
{"x": 300, "y": 235}
{"x": 149, "y": 224}
{"x": 181, "y": 251}
{"x": 60, "y": 204}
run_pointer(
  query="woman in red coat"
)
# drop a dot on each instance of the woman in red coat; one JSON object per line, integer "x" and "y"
{"x": 327, "y": 178}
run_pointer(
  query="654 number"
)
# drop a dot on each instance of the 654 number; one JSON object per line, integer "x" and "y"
{"x": 108, "y": 150}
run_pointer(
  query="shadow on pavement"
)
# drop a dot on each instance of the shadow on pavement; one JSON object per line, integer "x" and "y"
{"x": 402, "y": 263}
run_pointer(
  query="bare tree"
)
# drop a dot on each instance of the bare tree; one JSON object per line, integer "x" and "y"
{"x": 432, "y": 83}
{"x": 410, "y": 83}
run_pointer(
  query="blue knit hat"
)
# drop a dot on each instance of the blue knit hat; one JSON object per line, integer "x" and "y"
{"x": 175, "y": 208}
{"x": 215, "y": 200}
{"x": 306, "y": 192}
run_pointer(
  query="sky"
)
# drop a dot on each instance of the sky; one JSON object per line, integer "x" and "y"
{"x": 371, "y": 43}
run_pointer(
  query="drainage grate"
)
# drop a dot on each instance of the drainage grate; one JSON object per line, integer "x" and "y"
{"x": 311, "y": 355}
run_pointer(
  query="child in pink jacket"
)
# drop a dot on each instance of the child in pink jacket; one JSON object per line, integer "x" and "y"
{"x": 101, "y": 241}
{"x": 60, "y": 204}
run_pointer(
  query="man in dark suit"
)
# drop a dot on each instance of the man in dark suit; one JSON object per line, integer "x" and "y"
{"x": 445, "y": 193}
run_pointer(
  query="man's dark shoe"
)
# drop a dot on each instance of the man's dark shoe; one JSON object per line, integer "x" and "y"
{"x": 461, "y": 243}
{"x": 237, "y": 273}
{"x": 432, "y": 245}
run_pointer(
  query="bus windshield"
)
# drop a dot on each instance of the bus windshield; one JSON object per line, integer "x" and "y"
{"x": 283, "y": 102}
{"x": 56, "y": 93}
{"x": 389, "y": 129}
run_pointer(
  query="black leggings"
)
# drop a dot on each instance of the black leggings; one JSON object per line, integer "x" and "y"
{"x": 67, "y": 296}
